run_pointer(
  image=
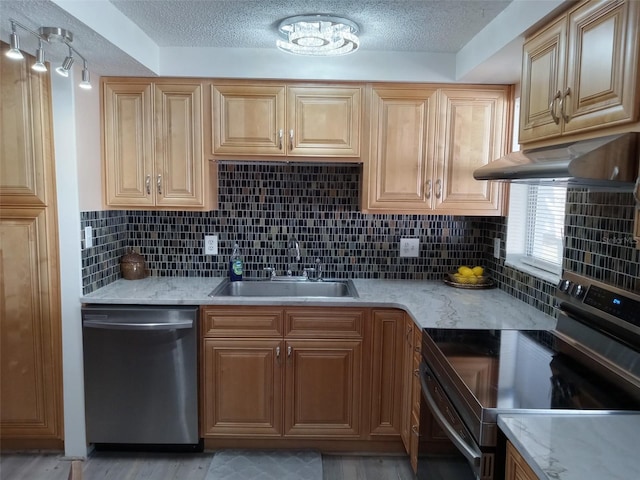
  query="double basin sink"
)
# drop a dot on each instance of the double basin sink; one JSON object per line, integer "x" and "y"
{"x": 286, "y": 288}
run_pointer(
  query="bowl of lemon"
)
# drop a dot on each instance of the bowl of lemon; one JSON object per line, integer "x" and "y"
{"x": 469, "y": 277}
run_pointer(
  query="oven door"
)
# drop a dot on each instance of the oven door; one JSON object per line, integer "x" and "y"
{"x": 472, "y": 463}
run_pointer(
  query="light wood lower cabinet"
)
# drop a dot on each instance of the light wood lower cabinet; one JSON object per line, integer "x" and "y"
{"x": 299, "y": 377}
{"x": 516, "y": 467}
{"x": 30, "y": 323}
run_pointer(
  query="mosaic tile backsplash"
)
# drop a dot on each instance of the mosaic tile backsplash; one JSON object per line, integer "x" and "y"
{"x": 262, "y": 206}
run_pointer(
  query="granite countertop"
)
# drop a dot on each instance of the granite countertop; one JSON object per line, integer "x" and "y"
{"x": 576, "y": 447}
{"x": 431, "y": 303}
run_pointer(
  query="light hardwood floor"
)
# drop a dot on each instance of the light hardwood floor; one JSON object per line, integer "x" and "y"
{"x": 163, "y": 466}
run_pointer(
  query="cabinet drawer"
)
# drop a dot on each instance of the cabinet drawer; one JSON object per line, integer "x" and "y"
{"x": 324, "y": 322}
{"x": 234, "y": 322}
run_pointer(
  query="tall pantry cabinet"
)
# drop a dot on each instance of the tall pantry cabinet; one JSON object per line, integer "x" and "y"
{"x": 30, "y": 324}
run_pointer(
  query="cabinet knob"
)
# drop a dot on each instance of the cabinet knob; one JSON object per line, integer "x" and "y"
{"x": 438, "y": 188}
{"x": 428, "y": 189}
{"x": 415, "y": 430}
{"x": 159, "y": 183}
{"x": 280, "y": 137}
{"x": 148, "y": 184}
{"x": 291, "y": 139}
{"x": 416, "y": 372}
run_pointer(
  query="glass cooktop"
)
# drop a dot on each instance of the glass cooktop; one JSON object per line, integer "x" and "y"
{"x": 516, "y": 369}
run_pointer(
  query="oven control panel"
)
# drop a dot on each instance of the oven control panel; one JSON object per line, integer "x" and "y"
{"x": 576, "y": 290}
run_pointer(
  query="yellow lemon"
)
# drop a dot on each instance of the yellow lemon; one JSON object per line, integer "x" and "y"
{"x": 472, "y": 280}
{"x": 465, "y": 271}
{"x": 477, "y": 271}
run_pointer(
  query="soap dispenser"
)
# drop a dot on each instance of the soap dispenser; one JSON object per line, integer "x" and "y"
{"x": 235, "y": 264}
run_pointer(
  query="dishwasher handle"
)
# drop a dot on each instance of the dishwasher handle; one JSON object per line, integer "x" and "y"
{"x": 100, "y": 321}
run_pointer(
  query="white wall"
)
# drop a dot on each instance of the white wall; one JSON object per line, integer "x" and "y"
{"x": 87, "y": 111}
{"x": 67, "y": 181}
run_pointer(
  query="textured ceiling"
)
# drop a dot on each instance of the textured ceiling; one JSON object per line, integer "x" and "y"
{"x": 404, "y": 26}
{"x": 442, "y": 26}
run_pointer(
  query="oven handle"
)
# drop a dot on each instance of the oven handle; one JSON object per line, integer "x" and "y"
{"x": 471, "y": 454}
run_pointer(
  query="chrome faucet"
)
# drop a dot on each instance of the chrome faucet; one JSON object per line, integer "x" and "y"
{"x": 293, "y": 251}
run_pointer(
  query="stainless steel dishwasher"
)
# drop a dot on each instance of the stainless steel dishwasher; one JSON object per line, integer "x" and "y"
{"x": 141, "y": 378}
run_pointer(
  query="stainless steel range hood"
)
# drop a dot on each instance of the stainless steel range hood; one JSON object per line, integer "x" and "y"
{"x": 609, "y": 163}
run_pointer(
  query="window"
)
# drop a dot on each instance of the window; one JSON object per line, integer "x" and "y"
{"x": 535, "y": 229}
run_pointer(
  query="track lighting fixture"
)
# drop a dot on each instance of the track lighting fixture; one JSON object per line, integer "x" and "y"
{"x": 50, "y": 35}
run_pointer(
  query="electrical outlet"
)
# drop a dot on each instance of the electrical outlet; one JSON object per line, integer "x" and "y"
{"x": 88, "y": 237}
{"x": 409, "y": 247}
{"x": 210, "y": 244}
{"x": 496, "y": 247}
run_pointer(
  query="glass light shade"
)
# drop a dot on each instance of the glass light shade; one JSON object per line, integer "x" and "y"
{"x": 319, "y": 35}
{"x": 14, "y": 49}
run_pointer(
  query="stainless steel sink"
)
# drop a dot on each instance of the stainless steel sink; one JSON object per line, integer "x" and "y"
{"x": 283, "y": 288}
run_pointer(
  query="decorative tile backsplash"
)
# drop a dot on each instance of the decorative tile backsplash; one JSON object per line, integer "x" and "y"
{"x": 261, "y": 206}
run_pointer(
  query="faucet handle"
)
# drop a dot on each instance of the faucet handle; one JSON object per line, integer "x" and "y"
{"x": 318, "y": 269}
{"x": 270, "y": 271}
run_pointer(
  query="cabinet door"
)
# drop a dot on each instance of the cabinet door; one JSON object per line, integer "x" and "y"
{"x": 472, "y": 134}
{"x": 602, "y": 65}
{"x": 517, "y": 467}
{"x": 26, "y": 162}
{"x": 543, "y": 70}
{"x": 323, "y": 121}
{"x": 29, "y": 327}
{"x": 398, "y": 175}
{"x": 248, "y": 120}
{"x": 323, "y": 388}
{"x": 129, "y": 171}
{"x": 242, "y": 387}
{"x": 179, "y": 164}
{"x": 389, "y": 347}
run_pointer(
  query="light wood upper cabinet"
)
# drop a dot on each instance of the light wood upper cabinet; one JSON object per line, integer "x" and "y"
{"x": 425, "y": 144}
{"x": 153, "y": 145}
{"x": 398, "y": 175}
{"x": 472, "y": 132}
{"x": 579, "y": 73}
{"x": 276, "y": 120}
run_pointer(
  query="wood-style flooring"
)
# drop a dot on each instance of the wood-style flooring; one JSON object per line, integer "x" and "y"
{"x": 163, "y": 466}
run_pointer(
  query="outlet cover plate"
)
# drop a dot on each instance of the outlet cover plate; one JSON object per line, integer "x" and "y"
{"x": 210, "y": 244}
{"x": 496, "y": 247}
{"x": 409, "y": 247}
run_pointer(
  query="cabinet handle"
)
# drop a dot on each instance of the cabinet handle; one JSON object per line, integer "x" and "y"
{"x": 289, "y": 350}
{"x": 159, "y": 184}
{"x": 415, "y": 430}
{"x": 148, "y": 184}
{"x": 438, "y": 188}
{"x": 291, "y": 139}
{"x": 280, "y": 136}
{"x": 416, "y": 372}
{"x": 428, "y": 188}
{"x": 552, "y": 111}
{"x": 567, "y": 93}
{"x": 278, "y": 353}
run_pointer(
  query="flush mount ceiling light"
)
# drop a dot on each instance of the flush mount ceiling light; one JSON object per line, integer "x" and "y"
{"x": 49, "y": 35}
{"x": 318, "y": 34}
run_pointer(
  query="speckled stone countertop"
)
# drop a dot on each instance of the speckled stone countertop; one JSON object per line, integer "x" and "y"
{"x": 430, "y": 303}
{"x": 577, "y": 447}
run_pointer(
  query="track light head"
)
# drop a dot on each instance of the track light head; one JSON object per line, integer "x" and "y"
{"x": 39, "y": 66}
{"x": 66, "y": 65}
{"x": 14, "y": 48}
{"x": 86, "y": 80}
